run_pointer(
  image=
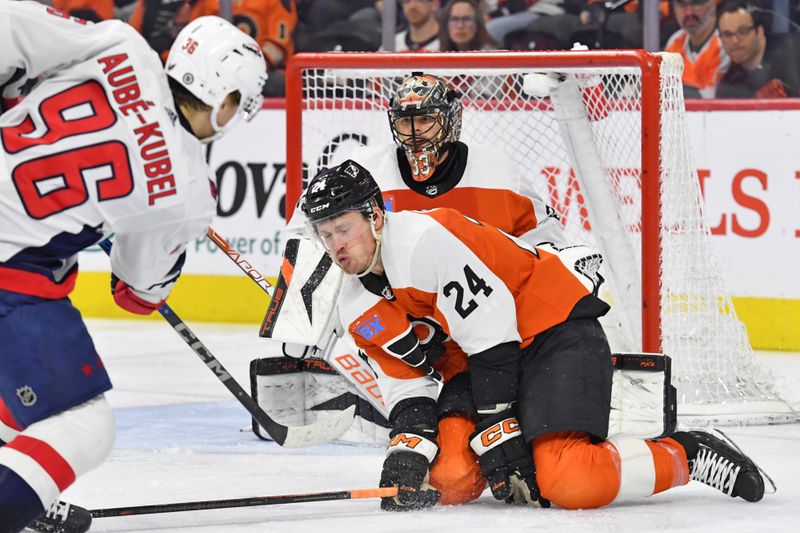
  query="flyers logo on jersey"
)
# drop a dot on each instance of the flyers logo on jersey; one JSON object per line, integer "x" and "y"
{"x": 369, "y": 327}
{"x": 388, "y": 202}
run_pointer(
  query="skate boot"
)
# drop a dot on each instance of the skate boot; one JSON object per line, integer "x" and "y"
{"x": 63, "y": 517}
{"x": 721, "y": 464}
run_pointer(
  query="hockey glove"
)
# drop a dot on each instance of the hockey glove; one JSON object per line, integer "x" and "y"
{"x": 407, "y": 467}
{"x": 127, "y": 298}
{"x": 505, "y": 461}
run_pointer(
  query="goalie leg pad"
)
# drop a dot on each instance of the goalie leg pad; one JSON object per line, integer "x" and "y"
{"x": 299, "y": 392}
{"x": 643, "y": 400}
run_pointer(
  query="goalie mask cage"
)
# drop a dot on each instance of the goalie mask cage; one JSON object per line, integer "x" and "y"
{"x": 602, "y": 137}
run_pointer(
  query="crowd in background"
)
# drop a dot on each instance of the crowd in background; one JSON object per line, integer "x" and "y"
{"x": 731, "y": 48}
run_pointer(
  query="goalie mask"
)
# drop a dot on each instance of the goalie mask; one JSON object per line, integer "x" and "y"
{"x": 335, "y": 192}
{"x": 212, "y": 58}
{"x": 425, "y": 117}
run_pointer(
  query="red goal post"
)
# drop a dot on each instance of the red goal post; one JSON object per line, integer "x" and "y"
{"x": 607, "y": 141}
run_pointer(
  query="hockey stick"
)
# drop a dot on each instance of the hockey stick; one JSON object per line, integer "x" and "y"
{"x": 366, "y": 382}
{"x": 286, "y": 436}
{"x": 237, "y": 258}
{"x": 358, "y": 494}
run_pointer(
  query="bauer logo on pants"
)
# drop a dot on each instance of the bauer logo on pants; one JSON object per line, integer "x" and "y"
{"x": 26, "y": 396}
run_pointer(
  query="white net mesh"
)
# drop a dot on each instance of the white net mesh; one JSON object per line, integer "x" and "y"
{"x": 576, "y": 135}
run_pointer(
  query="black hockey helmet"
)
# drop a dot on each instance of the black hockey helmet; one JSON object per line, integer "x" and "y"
{"x": 347, "y": 187}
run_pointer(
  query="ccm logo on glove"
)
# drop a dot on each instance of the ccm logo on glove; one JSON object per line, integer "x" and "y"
{"x": 407, "y": 441}
{"x": 498, "y": 433}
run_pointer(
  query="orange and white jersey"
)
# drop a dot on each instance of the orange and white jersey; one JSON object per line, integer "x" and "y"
{"x": 96, "y": 147}
{"x": 483, "y": 286}
{"x": 703, "y": 68}
{"x": 103, "y": 9}
{"x": 480, "y": 285}
{"x": 379, "y": 329}
{"x": 485, "y": 184}
{"x": 382, "y": 330}
{"x": 270, "y": 22}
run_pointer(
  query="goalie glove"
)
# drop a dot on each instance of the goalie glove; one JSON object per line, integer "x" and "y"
{"x": 505, "y": 461}
{"x": 407, "y": 467}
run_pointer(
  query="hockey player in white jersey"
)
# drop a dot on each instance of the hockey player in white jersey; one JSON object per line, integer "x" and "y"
{"x": 539, "y": 363}
{"x": 105, "y": 141}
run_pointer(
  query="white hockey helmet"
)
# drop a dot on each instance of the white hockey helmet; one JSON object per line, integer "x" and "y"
{"x": 212, "y": 58}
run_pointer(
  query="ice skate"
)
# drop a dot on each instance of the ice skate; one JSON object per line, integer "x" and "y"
{"x": 63, "y": 517}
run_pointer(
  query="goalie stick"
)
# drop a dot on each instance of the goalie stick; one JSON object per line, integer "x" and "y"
{"x": 387, "y": 492}
{"x": 287, "y": 436}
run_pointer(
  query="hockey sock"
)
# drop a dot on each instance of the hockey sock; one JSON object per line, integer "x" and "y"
{"x": 19, "y": 504}
{"x": 670, "y": 464}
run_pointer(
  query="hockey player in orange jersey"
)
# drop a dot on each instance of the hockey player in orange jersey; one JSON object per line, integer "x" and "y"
{"x": 538, "y": 360}
{"x": 426, "y": 167}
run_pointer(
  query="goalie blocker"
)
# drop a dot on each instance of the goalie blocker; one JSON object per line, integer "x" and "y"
{"x": 643, "y": 400}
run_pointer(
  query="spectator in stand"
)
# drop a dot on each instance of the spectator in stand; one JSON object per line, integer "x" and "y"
{"x": 91, "y": 10}
{"x": 159, "y": 21}
{"x": 464, "y": 28}
{"x": 697, "y": 41}
{"x": 423, "y": 28}
{"x": 511, "y": 15}
{"x": 339, "y": 25}
{"x": 270, "y": 22}
{"x": 620, "y": 27}
{"x": 318, "y": 15}
{"x": 761, "y": 67}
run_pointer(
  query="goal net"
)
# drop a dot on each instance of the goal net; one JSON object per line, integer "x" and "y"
{"x": 602, "y": 137}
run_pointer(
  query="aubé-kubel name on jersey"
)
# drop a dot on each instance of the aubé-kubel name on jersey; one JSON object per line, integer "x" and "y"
{"x": 152, "y": 147}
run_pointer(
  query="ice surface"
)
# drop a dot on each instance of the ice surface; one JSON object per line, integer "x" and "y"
{"x": 178, "y": 440}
